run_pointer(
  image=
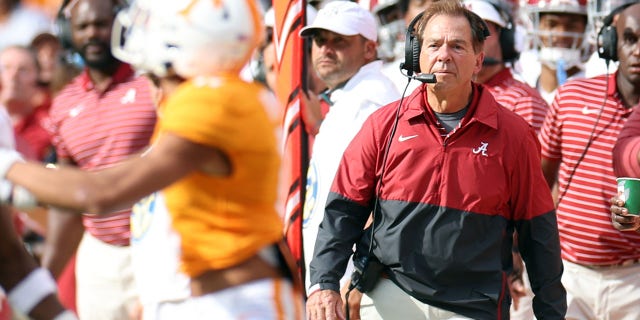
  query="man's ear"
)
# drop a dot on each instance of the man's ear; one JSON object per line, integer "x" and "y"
{"x": 478, "y": 66}
{"x": 370, "y": 50}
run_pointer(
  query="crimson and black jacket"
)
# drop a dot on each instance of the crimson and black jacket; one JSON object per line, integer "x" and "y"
{"x": 446, "y": 208}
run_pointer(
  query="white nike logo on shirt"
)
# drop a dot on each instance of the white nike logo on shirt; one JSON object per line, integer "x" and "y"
{"x": 402, "y": 138}
{"x": 587, "y": 111}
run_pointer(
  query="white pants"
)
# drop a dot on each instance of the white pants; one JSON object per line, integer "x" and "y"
{"x": 104, "y": 281}
{"x": 392, "y": 303}
{"x": 608, "y": 293}
{"x": 265, "y": 299}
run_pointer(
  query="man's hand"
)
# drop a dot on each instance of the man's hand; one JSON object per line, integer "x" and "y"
{"x": 325, "y": 305}
{"x": 621, "y": 219}
{"x": 516, "y": 283}
{"x": 355, "y": 297}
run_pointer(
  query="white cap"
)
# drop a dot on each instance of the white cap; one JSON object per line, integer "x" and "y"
{"x": 486, "y": 11}
{"x": 346, "y": 18}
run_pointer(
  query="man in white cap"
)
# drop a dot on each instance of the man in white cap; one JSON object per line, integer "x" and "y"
{"x": 344, "y": 56}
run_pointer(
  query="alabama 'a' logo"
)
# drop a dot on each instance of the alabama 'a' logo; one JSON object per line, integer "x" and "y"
{"x": 482, "y": 149}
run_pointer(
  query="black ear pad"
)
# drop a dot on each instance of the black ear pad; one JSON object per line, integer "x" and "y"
{"x": 608, "y": 37}
{"x": 415, "y": 54}
{"x": 508, "y": 44}
{"x": 412, "y": 48}
{"x": 64, "y": 28}
{"x": 608, "y": 43}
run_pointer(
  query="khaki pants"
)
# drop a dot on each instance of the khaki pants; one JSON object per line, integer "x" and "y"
{"x": 602, "y": 293}
{"x": 104, "y": 280}
{"x": 392, "y": 303}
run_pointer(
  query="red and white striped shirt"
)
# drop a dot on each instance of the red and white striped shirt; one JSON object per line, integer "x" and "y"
{"x": 98, "y": 129}
{"x": 586, "y": 234}
{"x": 518, "y": 97}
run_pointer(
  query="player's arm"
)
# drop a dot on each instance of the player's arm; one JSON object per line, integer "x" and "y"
{"x": 119, "y": 187}
{"x": 30, "y": 290}
{"x": 64, "y": 232}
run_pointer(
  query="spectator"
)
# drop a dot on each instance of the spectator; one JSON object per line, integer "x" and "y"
{"x": 49, "y": 53}
{"x": 27, "y": 103}
{"x": 344, "y": 56}
{"x": 442, "y": 238}
{"x": 213, "y": 170}
{"x": 578, "y": 135}
{"x": 102, "y": 117}
{"x": 558, "y": 31}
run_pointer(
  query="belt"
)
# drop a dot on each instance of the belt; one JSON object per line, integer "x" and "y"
{"x": 621, "y": 264}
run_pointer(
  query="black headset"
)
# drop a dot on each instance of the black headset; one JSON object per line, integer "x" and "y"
{"x": 412, "y": 48}
{"x": 63, "y": 25}
{"x": 507, "y": 35}
{"x": 412, "y": 45}
{"x": 608, "y": 37}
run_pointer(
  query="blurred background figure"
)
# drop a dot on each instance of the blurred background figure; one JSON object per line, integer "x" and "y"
{"x": 558, "y": 48}
{"x": 26, "y": 101}
{"x": 391, "y": 29}
{"x": 49, "y": 54}
{"x": 19, "y": 24}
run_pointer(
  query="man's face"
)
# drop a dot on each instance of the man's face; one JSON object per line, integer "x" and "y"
{"x": 628, "y": 31}
{"x": 336, "y": 58}
{"x": 269, "y": 57}
{"x": 562, "y": 30}
{"x": 18, "y": 75}
{"x": 447, "y": 51}
{"x": 91, "y": 22}
{"x": 492, "y": 48}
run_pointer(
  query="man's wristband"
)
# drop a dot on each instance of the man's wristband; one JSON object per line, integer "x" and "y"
{"x": 27, "y": 294}
{"x": 66, "y": 315}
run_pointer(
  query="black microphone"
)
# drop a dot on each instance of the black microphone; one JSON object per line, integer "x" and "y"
{"x": 425, "y": 77}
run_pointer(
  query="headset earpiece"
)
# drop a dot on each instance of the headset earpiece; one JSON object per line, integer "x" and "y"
{"x": 608, "y": 43}
{"x": 608, "y": 36}
{"x": 412, "y": 48}
{"x": 507, "y": 34}
{"x": 63, "y": 27}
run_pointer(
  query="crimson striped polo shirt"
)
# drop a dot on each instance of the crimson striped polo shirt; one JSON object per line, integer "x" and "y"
{"x": 97, "y": 129}
{"x": 518, "y": 97}
{"x": 586, "y": 234}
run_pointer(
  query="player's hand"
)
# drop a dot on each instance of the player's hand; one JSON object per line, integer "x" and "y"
{"x": 621, "y": 219}
{"x": 325, "y": 305}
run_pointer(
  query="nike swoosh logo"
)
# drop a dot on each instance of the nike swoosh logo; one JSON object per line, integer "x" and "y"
{"x": 587, "y": 111}
{"x": 402, "y": 138}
